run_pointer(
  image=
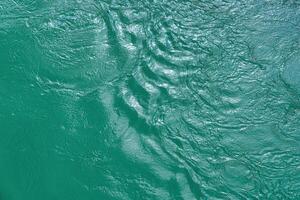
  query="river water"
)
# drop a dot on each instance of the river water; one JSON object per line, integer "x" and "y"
{"x": 154, "y": 99}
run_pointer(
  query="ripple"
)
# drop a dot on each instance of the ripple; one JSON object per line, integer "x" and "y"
{"x": 154, "y": 99}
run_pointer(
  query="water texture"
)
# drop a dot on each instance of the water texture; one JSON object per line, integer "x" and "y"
{"x": 154, "y": 99}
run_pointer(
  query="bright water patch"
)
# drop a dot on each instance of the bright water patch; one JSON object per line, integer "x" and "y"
{"x": 291, "y": 74}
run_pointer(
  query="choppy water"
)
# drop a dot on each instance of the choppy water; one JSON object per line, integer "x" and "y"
{"x": 177, "y": 99}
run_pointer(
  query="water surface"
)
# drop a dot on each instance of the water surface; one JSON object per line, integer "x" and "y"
{"x": 128, "y": 99}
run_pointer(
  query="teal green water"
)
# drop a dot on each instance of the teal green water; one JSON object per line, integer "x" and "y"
{"x": 128, "y": 99}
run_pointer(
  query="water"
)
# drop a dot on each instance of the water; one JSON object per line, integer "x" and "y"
{"x": 177, "y": 99}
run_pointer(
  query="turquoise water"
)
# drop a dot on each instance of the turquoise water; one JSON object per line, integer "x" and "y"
{"x": 175, "y": 99}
